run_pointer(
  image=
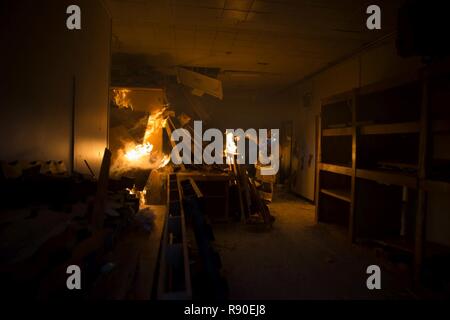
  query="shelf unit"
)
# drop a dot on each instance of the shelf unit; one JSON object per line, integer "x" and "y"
{"x": 377, "y": 162}
{"x": 336, "y": 177}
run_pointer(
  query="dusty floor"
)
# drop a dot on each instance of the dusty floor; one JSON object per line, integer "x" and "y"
{"x": 299, "y": 259}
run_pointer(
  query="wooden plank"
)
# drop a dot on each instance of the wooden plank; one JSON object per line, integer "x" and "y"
{"x": 336, "y": 169}
{"x": 352, "y": 219}
{"x": 393, "y": 178}
{"x": 337, "y": 132}
{"x": 98, "y": 211}
{"x": 441, "y": 126}
{"x": 436, "y": 186}
{"x": 244, "y": 188}
{"x": 399, "y": 165}
{"x": 187, "y": 272}
{"x": 137, "y": 88}
{"x": 394, "y": 128}
{"x": 342, "y": 194}
{"x": 258, "y": 201}
{"x": 169, "y": 249}
{"x": 401, "y": 244}
{"x": 197, "y": 190}
{"x": 227, "y": 200}
{"x": 162, "y": 261}
{"x": 438, "y": 68}
{"x": 397, "y": 243}
{"x": 244, "y": 213}
{"x": 202, "y": 176}
{"x": 317, "y": 168}
{"x": 421, "y": 213}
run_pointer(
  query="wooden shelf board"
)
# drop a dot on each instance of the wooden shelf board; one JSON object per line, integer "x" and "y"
{"x": 336, "y": 169}
{"x": 201, "y": 176}
{"x": 395, "y": 178}
{"x": 437, "y": 186}
{"x": 394, "y": 128}
{"x": 401, "y": 244}
{"x": 399, "y": 165}
{"x": 337, "y": 132}
{"x": 397, "y": 243}
{"x": 341, "y": 194}
{"x": 441, "y": 126}
{"x": 438, "y": 69}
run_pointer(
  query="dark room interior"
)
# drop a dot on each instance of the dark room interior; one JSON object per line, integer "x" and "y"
{"x": 225, "y": 150}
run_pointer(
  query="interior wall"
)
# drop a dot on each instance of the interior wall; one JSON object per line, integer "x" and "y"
{"x": 42, "y": 62}
{"x": 250, "y": 112}
{"x": 244, "y": 111}
{"x": 92, "y": 73}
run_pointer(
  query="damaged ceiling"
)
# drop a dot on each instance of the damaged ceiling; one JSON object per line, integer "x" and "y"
{"x": 255, "y": 44}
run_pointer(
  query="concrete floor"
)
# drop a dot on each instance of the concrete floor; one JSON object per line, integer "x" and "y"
{"x": 299, "y": 259}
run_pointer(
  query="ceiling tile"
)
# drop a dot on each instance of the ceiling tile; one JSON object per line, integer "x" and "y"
{"x": 293, "y": 37}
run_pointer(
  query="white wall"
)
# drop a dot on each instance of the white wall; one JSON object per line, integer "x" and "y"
{"x": 41, "y": 60}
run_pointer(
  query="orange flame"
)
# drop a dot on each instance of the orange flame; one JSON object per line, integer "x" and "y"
{"x": 139, "y": 151}
{"x": 121, "y": 99}
{"x": 143, "y": 156}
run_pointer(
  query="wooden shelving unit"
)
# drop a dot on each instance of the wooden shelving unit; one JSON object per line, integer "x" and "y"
{"x": 335, "y": 182}
{"x": 376, "y": 163}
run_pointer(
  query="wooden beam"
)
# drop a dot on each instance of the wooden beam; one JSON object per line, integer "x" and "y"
{"x": 337, "y": 132}
{"x": 394, "y": 128}
{"x": 342, "y": 194}
{"x": 336, "y": 169}
{"x": 441, "y": 126}
{"x": 352, "y": 220}
{"x": 201, "y": 176}
{"x": 436, "y": 186}
{"x": 421, "y": 212}
{"x": 393, "y": 178}
{"x": 318, "y": 169}
{"x": 98, "y": 211}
